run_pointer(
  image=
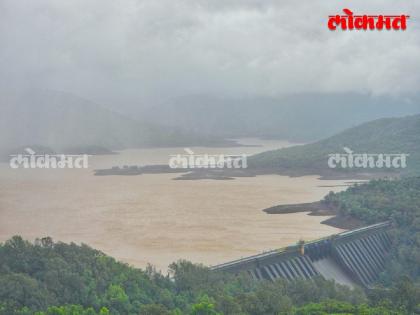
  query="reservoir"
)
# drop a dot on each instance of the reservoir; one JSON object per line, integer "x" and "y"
{"x": 153, "y": 219}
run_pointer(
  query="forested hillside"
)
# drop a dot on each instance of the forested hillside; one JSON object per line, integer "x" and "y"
{"x": 395, "y": 200}
{"x": 35, "y": 277}
{"x": 386, "y": 136}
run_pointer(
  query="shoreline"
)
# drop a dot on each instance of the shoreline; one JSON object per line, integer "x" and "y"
{"x": 231, "y": 174}
{"x": 318, "y": 208}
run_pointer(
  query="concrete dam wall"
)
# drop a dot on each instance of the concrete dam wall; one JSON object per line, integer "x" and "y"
{"x": 352, "y": 258}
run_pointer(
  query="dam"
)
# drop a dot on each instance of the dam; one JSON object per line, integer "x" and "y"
{"x": 355, "y": 257}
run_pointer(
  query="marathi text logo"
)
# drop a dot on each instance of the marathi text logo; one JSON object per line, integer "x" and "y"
{"x": 366, "y": 160}
{"x": 348, "y": 21}
{"x": 191, "y": 160}
{"x": 33, "y": 160}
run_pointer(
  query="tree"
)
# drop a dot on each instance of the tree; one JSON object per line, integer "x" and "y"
{"x": 205, "y": 306}
{"x": 154, "y": 309}
{"x": 117, "y": 299}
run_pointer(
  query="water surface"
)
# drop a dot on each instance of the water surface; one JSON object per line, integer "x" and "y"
{"x": 154, "y": 219}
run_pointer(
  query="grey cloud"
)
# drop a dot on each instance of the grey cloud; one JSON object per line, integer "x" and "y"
{"x": 123, "y": 50}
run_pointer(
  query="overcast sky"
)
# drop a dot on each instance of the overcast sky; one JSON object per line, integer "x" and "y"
{"x": 124, "y": 50}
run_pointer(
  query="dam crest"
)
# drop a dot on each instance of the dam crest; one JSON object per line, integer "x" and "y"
{"x": 354, "y": 257}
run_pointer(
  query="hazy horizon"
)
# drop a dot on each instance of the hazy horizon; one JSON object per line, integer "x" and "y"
{"x": 142, "y": 53}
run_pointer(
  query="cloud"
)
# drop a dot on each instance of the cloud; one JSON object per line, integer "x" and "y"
{"x": 144, "y": 49}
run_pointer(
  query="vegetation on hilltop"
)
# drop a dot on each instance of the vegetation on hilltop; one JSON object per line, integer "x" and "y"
{"x": 56, "y": 278}
{"x": 388, "y": 135}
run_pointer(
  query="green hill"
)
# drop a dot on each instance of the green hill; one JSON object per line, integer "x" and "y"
{"x": 382, "y": 136}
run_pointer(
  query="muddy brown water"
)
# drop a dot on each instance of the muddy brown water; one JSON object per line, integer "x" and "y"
{"x": 154, "y": 219}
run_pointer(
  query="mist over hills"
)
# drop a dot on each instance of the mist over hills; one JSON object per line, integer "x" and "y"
{"x": 299, "y": 117}
{"x": 387, "y": 136}
{"x": 64, "y": 121}
{"x": 378, "y": 137}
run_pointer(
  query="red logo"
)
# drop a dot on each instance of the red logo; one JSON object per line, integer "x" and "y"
{"x": 348, "y": 21}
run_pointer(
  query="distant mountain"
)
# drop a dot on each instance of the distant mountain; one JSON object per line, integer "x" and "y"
{"x": 388, "y": 135}
{"x": 64, "y": 122}
{"x": 300, "y": 117}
